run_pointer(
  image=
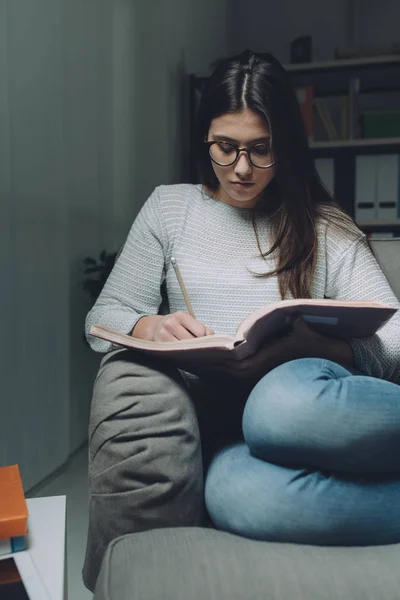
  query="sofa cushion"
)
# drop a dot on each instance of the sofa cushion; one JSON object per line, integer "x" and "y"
{"x": 205, "y": 564}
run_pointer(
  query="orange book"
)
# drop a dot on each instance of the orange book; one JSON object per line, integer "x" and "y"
{"x": 13, "y": 508}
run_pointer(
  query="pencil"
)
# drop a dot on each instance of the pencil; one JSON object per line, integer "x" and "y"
{"x": 182, "y": 286}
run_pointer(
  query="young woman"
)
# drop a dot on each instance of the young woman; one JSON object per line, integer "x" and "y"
{"x": 315, "y": 459}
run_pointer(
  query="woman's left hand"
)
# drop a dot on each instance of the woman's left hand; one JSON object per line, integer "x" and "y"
{"x": 301, "y": 342}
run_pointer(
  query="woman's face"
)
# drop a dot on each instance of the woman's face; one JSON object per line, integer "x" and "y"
{"x": 241, "y": 184}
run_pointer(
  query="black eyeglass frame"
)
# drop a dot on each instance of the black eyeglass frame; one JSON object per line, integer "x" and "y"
{"x": 238, "y": 151}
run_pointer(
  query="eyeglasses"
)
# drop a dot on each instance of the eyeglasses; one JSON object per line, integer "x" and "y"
{"x": 226, "y": 154}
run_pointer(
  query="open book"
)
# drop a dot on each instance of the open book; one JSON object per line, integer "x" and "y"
{"x": 336, "y": 318}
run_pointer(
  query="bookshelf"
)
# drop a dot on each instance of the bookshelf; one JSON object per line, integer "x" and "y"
{"x": 358, "y": 145}
{"x": 349, "y": 89}
{"x": 347, "y": 63}
{"x": 356, "y": 83}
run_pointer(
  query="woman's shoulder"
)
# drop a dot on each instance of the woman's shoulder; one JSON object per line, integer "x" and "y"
{"x": 337, "y": 230}
{"x": 178, "y": 192}
{"x": 169, "y": 207}
{"x": 170, "y": 201}
{"x": 173, "y": 203}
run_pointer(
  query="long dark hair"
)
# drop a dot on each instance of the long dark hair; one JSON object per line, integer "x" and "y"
{"x": 296, "y": 198}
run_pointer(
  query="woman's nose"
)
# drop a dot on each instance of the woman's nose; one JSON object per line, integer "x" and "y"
{"x": 243, "y": 164}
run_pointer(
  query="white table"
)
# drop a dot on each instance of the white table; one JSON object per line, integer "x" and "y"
{"x": 46, "y": 544}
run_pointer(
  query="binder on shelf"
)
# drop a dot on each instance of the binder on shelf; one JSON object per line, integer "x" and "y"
{"x": 366, "y": 188}
{"x": 326, "y": 171}
{"x": 388, "y": 204}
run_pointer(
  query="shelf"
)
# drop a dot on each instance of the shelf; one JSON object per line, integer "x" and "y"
{"x": 350, "y": 63}
{"x": 376, "y": 74}
{"x": 380, "y": 226}
{"x": 359, "y": 143}
{"x": 381, "y": 223}
{"x": 350, "y": 148}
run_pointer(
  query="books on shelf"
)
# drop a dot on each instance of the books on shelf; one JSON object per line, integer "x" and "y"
{"x": 336, "y": 318}
{"x": 13, "y": 507}
{"x": 354, "y": 131}
{"x": 305, "y": 96}
{"x": 326, "y": 119}
{"x": 380, "y": 124}
{"x": 344, "y": 118}
{"x": 377, "y": 196}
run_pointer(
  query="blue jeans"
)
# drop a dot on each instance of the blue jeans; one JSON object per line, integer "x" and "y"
{"x": 320, "y": 463}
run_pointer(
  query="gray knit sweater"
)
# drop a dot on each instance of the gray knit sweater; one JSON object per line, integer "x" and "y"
{"x": 216, "y": 249}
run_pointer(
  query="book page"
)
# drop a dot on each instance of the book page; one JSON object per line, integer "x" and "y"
{"x": 206, "y": 342}
{"x": 341, "y": 319}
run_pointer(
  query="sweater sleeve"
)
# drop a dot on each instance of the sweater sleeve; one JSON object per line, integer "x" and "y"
{"x": 132, "y": 289}
{"x": 356, "y": 275}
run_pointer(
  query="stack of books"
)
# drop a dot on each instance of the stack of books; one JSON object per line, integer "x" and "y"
{"x": 13, "y": 511}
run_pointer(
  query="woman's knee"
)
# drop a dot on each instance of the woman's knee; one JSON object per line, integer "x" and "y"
{"x": 143, "y": 424}
{"x": 288, "y": 405}
{"x": 316, "y": 413}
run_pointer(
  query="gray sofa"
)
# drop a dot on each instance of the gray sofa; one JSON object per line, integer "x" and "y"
{"x": 204, "y": 564}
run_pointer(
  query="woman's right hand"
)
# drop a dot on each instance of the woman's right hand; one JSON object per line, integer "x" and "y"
{"x": 168, "y": 328}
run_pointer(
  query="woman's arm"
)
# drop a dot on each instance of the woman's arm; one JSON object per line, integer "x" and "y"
{"x": 133, "y": 288}
{"x": 354, "y": 274}
{"x": 131, "y": 297}
{"x": 301, "y": 342}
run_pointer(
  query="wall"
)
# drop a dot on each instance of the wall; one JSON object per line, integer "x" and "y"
{"x": 160, "y": 43}
{"x": 266, "y": 26}
{"x": 87, "y": 80}
{"x": 376, "y": 23}
{"x": 127, "y": 103}
{"x": 93, "y": 106}
{"x": 269, "y": 26}
{"x": 34, "y": 397}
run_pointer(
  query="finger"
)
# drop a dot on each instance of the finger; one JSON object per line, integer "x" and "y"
{"x": 178, "y": 331}
{"x": 195, "y": 327}
{"x": 165, "y": 336}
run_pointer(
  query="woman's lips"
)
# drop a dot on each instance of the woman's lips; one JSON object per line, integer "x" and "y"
{"x": 243, "y": 185}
